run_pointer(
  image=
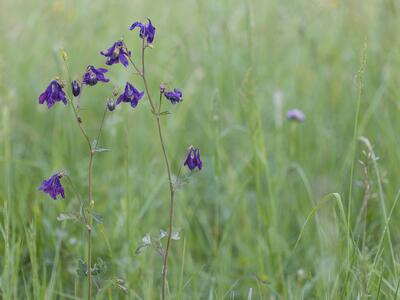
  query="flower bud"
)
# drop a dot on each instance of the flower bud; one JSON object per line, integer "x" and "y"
{"x": 63, "y": 54}
{"x": 111, "y": 104}
{"x": 115, "y": 92}
{"x": 76, "y": 89}
{"x": 162, "y": 88}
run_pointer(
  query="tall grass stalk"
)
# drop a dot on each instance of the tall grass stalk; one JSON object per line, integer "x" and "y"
{"x": 360, "y": 87}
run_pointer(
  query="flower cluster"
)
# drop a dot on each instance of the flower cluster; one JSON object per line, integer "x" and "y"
{"x": 117, "y": 53}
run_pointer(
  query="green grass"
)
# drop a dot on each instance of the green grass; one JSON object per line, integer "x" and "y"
{"x": 269, "y": 216}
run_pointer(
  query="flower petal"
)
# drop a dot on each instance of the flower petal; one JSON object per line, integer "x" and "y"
{"x": 43, "y": 97}
{"x": 136, "y": 24}
{"x": 123, "y": 60}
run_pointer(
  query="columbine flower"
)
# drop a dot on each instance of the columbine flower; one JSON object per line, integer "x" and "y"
{"x": 52, "y": 186}
{"x": 117, "y": 53}
{"x": 53, "y": 93}
{"x": 147, "y": 31}
{"x": 296, "y": 115}
{"x": 76, "y": 89}
{"x": 93, "y": 75}
{"x": 174, "y": 96}
{"x": 193, "y": 159}
{"x": 131, "y": 95}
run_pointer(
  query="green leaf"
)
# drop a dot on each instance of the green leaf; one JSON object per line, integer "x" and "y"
{"x": 182, "y": 180}
{"x": 97, "y": 218}
{"x": 120, "y": 284}
{"x": 82, "y": 268}
{"x": 68, "y": 216}
{"x": 163, "y": 234}
{"x": 99, "y": 150}
{"x": 146, "y": 242}
{"x": 99, "y": 267}
{"x": 175, "y": 236}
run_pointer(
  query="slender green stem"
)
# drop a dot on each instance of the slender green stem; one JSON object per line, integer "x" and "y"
{"x": 91, "y": 203}
{"x": 79, "y": 121}
{"x": 90, "y": 200}
{"x": 101, "y": 126}
{"x": 138, "y": 72}
{"x": 168, "y": 167}
{"x": 90, "y": 221}
{"x": 142, "y": 74}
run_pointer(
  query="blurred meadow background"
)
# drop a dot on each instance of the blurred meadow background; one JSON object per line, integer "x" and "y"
{"x": 281, "y": 210}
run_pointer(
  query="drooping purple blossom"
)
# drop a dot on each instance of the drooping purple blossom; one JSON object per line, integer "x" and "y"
{"x": 53, "y": 93}
{"x": 131, "y": 95}
{"x": 76, "y": 89}
{"x": 53, "y": 186}
{"x": 174, "y": 96}
{"x": 117, "y": 53}
{"x": 296, "y": 115}
{"x": 147, "y": 31}
{"x": 193, "y": 159}
{"x": 93, "y": 75}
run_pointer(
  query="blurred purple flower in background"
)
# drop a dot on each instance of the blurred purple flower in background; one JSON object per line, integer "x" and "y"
{"x": 117, "y": 53}
{"x": 193, "y": 159}
{"x": 296, "y": 115}
{"x": 53, "y": 186}
{"x": 131, "y": 95}
{"x": 174, "y": 96}
{"x": 93, "y": 75}
{"x": 146, "y": 30}
{"x": 53, "y": 93}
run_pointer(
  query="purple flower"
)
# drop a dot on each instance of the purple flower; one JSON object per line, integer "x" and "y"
{"x": 174, "y": 96}
{"x": 147, "y": 31}
{"x": 76, "y": 89}
{"x": 93, "y": 75}
{"x": 117, "y": 53}
{"x": 131, "y": 95}
{"x": 53, "y": 93}
{"x": 193, "y": 159}
{"x": 296, "y": 115}
{"x": 52, "y": 186}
